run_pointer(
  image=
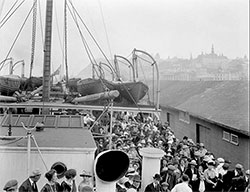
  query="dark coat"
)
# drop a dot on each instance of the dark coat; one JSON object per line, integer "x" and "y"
{"x": 66, "y": 188}
{"x": 49, "y": 188}
{"x": 151, "y": 188}
{"x": 26, "y": 187}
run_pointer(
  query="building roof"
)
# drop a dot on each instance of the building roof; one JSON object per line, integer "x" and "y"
{"x": 56, "y": 136}
{"x": 224, "y": 102}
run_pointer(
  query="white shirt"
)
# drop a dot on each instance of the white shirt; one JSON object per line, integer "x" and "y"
{"x": 181, "y": 187}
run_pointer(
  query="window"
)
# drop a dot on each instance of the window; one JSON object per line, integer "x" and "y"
{"x": 184, "y": 116}
{"x": 234, "y": 139}
{"x": 226, "y": 136}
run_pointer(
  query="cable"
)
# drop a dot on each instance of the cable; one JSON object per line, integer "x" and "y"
{"x": 8, "y": 11}
{"x": 19, "y": 32}
{"x": 10, "y": 15}
{"x": 105, "y": 29}
{"x": 12, "y": 141}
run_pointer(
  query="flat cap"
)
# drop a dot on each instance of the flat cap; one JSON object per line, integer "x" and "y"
{"x": 12, "y": 184}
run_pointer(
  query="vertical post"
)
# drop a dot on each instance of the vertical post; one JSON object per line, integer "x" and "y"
{"x": 151, "y": 158}
{"x": 22, "y": 73}
{"x": 28, "y": 152}
{"x": 11, "y": 66}
{"x": 111, "y": 124}
{"x": 47, "y": 51}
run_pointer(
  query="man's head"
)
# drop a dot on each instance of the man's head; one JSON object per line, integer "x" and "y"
{"x": 185, "y": 178}
{"x": 35, "y": 175}
{"x": 137, "y": 181}
{"x": 157, "y": 178}
{"x": 11, "y": 186}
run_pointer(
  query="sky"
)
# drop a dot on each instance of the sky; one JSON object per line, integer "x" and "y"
{"x": 168, "y": 27}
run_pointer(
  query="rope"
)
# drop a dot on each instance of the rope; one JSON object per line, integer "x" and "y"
{"x": 33, "y": 36}
{"x": 3, "y": 22}
{"x": 89, "y": 53}
{"x": 41, "y": 23}
{"x": 1, "y": 8}
{"x": 65, "y": 41}
{"x": 19, "y": 32}
{"x": 105, "y": 28}
{"x": 12, "y": 141}
{"x": 90, "y": 34}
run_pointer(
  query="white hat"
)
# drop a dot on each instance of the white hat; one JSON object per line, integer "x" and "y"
{"x": 221, "y": 160}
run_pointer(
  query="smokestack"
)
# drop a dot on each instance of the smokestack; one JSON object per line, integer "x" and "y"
{"x": 110, "y": 166}
{"x": 151, "y": 162}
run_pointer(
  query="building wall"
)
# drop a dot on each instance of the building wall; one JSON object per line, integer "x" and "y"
{"x": 14, "y": 163}
{"x": 211, "y": 135}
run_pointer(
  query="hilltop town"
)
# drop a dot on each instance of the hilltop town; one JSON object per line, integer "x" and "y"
{"x": 206, "y": 66}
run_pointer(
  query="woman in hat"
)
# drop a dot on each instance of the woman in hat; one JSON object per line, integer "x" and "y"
{"x": 69, "y": 184}
{"x": 52, "y": 185}
{"x": 86, "y": 180}
{"x": 210, "y": 177}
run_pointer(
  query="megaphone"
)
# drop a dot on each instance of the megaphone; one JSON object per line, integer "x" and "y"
{"x": 110, "y": 166}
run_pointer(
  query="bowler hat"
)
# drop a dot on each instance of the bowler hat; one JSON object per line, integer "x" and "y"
{"x": 157, "y": 177}
{"x": 12, "y": 184}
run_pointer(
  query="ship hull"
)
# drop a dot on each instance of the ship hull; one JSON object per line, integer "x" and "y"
{"x": 9, "y": 84}
{"x": 91, "y": 86}
{"x": 133, "y": 92}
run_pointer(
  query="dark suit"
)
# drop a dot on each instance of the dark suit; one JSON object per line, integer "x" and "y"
{"x": 26, "y": 187}
{"x": 151, "y": 188}
{"x": 194, "y": 184}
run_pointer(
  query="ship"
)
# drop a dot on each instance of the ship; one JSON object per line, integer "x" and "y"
{"x": 9, "y": 84}
{"x": 38, "y": 133}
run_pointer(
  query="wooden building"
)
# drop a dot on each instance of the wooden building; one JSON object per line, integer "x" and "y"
{"x": 215, "y": 113}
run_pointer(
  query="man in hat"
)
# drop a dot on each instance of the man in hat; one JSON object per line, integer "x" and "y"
{"x": 192, "y": 173}
{"x": 29, "y": 185}
{"x": 170, "y": 176}
{"x": 182, "y": 187}
{"x": 155, "y": 185}
{"x": 136, "y": 184}
{"x": 164, "y": 187}
{"x": 11, "y": 186}
{"x": 86, "y": 176}
{"x": 233, "y": 178}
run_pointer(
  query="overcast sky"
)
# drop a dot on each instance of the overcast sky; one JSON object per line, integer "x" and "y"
{"x": 168, "y": 27}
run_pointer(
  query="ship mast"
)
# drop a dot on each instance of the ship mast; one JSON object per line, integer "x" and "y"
{"x": 47, "y": 51}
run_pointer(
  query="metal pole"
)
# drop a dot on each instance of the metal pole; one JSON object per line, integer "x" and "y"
{"x": 28, "y": 152}
{"x": 111, "y": 125}
{"x": 41, "y": 156}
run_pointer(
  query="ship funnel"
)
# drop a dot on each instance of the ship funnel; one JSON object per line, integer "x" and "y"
{"x": 109, "y": 167}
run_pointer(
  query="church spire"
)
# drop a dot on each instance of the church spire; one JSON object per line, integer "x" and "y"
{"x": 212, "y": 50}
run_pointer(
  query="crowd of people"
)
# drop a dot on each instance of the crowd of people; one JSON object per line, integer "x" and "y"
{"x": 186, "y": 165}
